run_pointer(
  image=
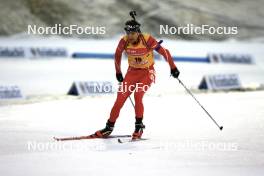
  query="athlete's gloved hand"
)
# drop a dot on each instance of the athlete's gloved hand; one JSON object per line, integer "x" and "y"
{"x": 119, "y": 77}
{"x": 175, "y": 72}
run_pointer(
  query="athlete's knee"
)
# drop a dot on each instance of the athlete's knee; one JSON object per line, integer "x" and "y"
{"x": 138, "y": 97}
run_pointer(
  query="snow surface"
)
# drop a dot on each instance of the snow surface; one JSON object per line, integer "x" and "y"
{"x": 182, "y": 139}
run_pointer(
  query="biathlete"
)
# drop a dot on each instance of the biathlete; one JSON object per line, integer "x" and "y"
{"x": 140, "y": 75}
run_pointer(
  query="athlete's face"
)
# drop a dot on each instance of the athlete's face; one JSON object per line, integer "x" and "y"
{"x": 132, "y": 37}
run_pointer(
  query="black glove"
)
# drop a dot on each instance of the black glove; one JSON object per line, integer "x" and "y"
{"x": 175, "y": 72}
{"x": 119, "y": 77}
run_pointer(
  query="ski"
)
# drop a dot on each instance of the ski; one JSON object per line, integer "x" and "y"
{"x": 122, "y": 141}
{"x": 92, "y": 136}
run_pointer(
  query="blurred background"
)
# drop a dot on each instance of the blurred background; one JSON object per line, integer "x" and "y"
{"x": 247, "y": 15}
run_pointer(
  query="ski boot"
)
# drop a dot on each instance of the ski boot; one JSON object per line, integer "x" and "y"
{"x": 139, "y": 126}
{"x": 103, "y": 133}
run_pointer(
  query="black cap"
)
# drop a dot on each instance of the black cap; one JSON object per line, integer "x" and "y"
{"x": 132, "y": 26}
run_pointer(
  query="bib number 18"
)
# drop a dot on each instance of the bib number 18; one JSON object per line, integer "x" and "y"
{"x": 138, "y": 59}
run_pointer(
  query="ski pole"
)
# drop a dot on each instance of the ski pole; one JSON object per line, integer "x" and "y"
{"x": 131, "y": 101}
{"x": 220, "y": 127}
{"x": 129, "y": 98}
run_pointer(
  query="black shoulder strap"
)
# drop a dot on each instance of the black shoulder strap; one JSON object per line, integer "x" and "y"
{"x": 144, "y": 41}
